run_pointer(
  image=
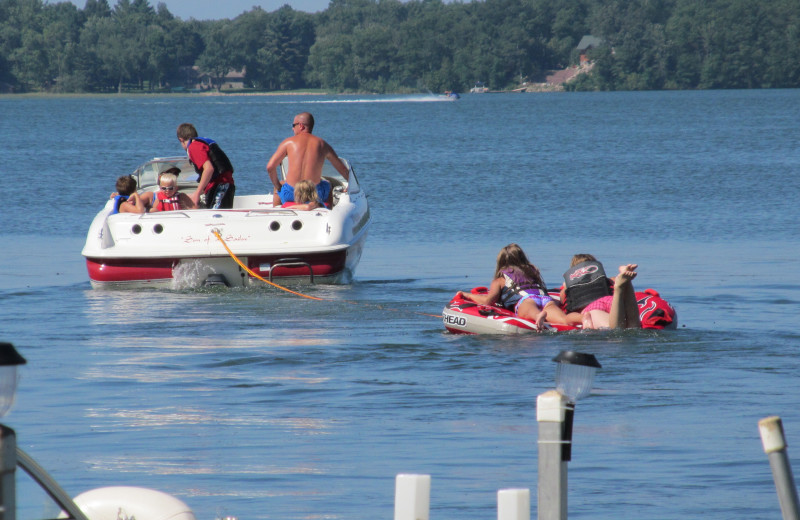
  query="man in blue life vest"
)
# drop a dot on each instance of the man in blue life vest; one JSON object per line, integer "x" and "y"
{"x": 307, "y": 154}
{"x": 213, "y": 167}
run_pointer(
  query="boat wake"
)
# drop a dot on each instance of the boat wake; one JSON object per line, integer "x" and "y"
{"x": 403, "y": 99}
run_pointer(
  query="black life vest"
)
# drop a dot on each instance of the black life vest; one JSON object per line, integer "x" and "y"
{"x": 585, "y": 283}
{"x": 516, "y": 286}
{"x": 218, "y": 159}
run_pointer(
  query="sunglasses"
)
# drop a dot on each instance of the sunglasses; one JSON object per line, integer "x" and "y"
{"x": 167, "y": 188}
{"x": 295, "y": 124}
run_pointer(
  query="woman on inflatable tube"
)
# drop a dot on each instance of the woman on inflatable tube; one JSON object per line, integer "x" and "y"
{"x": 597, "y": 302}
{"x": 518, "y": 286}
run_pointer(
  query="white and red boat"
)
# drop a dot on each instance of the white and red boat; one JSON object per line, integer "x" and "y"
{"x": 463, "y": 316}
{"x": 190, "y": 248}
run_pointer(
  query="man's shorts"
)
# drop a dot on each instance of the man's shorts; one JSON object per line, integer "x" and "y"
{"x": 220, "y": 196}
{"x": 323, "y": 191}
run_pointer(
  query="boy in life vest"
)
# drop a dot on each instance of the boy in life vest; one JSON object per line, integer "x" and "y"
{"x": 168, "y": 198}
{"x": 126, "y": 200}
{"x": 305, "y": 197}
{"x": 213, "y": 167}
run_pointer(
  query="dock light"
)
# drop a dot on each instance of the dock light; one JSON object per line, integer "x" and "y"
{"x": 575, "y": 373}
{"x": 9, "y": 359}
{"x": 555, "y": 411}
{"x": 574, "y": 379}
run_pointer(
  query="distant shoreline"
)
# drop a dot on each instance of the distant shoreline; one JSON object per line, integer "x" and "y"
{"x": 159, "y": 94}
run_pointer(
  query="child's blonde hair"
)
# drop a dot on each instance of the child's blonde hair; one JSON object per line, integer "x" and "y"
{"x": 305, "y": 191}
{"x": 168, "y": 177}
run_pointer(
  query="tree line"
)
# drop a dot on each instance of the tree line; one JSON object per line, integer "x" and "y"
{"x": 393, "y": 46}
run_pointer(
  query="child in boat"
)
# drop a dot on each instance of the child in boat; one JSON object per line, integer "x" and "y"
{"x": 518, "y": 287}
{"x": 305, "y": 197}
{"x": 126, "y": 200}
{"x": 595, "y": 301}
{"x": 168, "y": 198}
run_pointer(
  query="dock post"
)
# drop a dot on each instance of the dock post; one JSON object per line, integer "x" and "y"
{"x": 412, "y": 497}
{"x": 514, "y": 504}
{"x": 774, "y": 442}
{"x": 551, "y": 414}
{"x": 8, "y": 468}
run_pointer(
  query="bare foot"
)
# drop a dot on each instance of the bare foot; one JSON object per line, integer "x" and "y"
{"x": 626, "y": 274}
{"x": 540, "y": 319}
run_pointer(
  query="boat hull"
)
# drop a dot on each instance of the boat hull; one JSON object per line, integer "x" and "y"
{"x": 334, "y": 267}
{"x": 191, "y": 248}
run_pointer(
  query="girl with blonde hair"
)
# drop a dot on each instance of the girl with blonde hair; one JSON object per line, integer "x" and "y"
{"x": 518, "y": 286}
{"x": 305, "y": 197}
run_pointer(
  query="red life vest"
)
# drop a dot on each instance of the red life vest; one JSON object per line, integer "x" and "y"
{"x": 165, "y": 203}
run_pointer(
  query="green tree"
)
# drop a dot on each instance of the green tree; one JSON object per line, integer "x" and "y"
{"x": 216, "y": 58}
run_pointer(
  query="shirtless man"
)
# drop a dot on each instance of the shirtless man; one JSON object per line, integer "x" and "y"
{"x": 307, "y": 154}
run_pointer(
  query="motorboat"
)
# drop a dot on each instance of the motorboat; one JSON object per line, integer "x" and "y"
{"x": 479, "y": 88}
{"x": 253, "y": 242}
{"x": 464, "y": 316}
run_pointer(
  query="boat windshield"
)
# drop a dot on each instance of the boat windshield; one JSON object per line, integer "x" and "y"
{"x": 328, "y": 172}
{"x": 147, "y": 174}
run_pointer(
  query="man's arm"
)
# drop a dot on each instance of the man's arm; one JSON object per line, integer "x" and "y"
{"x": 336, "y": 162}
{"x": 132, "y": 205}
{"x": 272, "y": 165}
{"x": 205, "y": 178}
{"x": 186, "y": 201}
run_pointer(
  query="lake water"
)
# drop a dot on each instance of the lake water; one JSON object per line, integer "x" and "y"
{"x": 261, "y": 405}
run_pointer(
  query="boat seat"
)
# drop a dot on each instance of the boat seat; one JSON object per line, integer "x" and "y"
{"x": 334, "y": 182}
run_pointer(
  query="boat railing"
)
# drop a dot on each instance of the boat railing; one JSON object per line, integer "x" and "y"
{"x": 292, "y": 262}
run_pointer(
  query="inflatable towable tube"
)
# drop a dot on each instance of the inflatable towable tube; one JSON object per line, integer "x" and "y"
{"x": 462, "y": 316}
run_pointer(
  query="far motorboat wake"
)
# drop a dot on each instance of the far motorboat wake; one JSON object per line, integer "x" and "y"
{"x": 177, "y": 249}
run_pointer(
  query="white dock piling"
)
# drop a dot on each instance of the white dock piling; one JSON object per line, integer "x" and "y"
{"x": 514, "y": 504}
{"x": 551, "y": 411}
{"x": 774, "y": 441}
{"x": 412, "y": 497}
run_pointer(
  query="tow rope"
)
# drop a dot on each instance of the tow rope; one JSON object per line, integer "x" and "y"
{"x": 249, "y": 271}
{"x": 254, "y": 275}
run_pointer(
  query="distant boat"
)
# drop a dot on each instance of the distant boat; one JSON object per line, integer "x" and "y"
{"x": 479, "y": 88}
{"x": 451, "y": 95}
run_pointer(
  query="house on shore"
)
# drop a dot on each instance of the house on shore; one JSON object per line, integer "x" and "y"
{"x": 586, "y": 44}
